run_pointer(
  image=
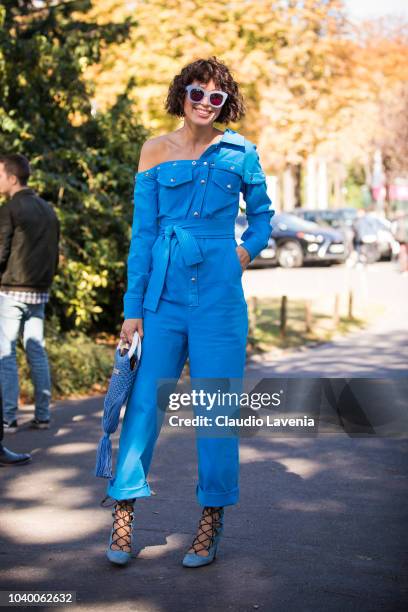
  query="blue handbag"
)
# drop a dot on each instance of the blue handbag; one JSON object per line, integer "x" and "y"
{"x": 125, "y": 366}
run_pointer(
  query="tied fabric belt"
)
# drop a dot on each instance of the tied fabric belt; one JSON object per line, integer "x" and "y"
{"x": 186, "y": 232}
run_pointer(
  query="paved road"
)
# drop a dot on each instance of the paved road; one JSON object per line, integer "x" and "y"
{"x": 379, "y": 351}
{"x": 320, "y": 526}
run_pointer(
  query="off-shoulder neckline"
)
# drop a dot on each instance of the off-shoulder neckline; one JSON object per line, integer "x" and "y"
{"x": 172, "y": 161}
{"x": 169, "y": 161}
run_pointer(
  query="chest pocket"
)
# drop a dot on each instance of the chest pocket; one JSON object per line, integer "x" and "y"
{"x": 175, "y": 186}
{"x": 225, "y": 186}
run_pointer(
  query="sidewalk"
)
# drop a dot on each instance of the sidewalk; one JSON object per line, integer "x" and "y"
{"x": 381, "y": 350}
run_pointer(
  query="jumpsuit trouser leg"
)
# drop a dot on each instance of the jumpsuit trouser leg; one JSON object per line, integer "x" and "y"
{"x": 215, "y": 342}
{"x": 217, "y": 350}
{"x": 164, "y": 353}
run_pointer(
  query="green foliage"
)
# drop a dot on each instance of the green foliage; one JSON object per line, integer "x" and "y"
{"x": 82, "y": 161}
{"x": 354, "y": 185}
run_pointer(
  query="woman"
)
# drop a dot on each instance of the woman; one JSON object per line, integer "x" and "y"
{"x": 184, "y": 294}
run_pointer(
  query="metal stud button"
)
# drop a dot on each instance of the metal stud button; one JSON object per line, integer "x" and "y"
{"x": 194, "y": 162}
{"x": 202, "y": 181}
{"x": 172, "y": 180}
{"x": 205, "y": 163}
{"x": 229, "y": 186}
{"x": 193, "y": 278}
{"x": 232, "y": 167}
{"x": 195, "y": 213}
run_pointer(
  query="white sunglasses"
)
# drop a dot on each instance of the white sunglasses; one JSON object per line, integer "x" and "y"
{"x": 215, "y": 97}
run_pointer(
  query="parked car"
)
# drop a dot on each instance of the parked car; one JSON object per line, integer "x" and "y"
{"x": 267, "y": 256}
{"x": 335, "y": 217}
{"x": 340, "y": 219}
{"x": 374, "y": 238}
{"x": 300, "y": 241}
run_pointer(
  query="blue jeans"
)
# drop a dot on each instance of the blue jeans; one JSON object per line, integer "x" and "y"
{"x": 14, "y": 317}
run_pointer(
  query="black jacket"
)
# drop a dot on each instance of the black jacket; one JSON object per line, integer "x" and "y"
{"x": 29, "y": 237}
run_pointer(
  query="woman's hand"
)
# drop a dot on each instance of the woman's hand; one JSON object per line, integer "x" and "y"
{"x": 244, "y": 257}
{"x": 129, "y": 327}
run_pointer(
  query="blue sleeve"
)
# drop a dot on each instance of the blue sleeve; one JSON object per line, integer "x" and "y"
{"x": 259, "y": 209}
{"x": 144, "y": 234}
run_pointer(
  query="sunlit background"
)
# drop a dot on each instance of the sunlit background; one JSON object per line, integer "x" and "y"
{"x": 84, "y": 83}
{"x": 320, "y": 520}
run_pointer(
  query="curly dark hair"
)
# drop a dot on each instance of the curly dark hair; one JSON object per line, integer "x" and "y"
{"x": 204, "y": 70}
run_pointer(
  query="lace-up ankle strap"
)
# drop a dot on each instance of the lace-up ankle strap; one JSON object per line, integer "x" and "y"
{"x": 217, "y": 516}
{"x": 123, "y": 515}
{"x": 209, "y": 528}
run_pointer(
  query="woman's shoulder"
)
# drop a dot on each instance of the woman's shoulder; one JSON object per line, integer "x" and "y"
{"x": 151, "y": 153}
{"x": 241, "y": 140}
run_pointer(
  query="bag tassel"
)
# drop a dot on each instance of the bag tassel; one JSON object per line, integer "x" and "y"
{"x": 104, "y": 458}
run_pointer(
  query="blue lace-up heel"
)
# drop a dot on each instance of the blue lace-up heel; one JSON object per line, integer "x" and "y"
{"x": 121, "y": 533}
{"x": 209, "y": 533}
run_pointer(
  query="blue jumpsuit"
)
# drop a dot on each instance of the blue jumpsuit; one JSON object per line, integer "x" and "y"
{"x": 185, "y": 280}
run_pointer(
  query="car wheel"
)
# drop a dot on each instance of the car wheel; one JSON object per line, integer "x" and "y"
{"x": 290, "y": 255}
{"x": 370, "y": 253}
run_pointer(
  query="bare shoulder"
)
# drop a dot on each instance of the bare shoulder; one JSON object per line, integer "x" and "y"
{"x": 149, "y": 154}
{"x": 154, "y": 151}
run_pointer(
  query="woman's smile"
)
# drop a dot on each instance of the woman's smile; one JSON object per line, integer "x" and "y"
{"x": 203, "y": 113}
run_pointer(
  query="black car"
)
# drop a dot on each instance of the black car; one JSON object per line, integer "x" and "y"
{"x": 340, "y": 219}
{"x": 267, "y": 256}
{"x": 300, "y": 241}
{"x": 335, "y": 217}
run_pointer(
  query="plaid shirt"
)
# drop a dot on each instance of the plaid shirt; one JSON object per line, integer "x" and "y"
{"x": 28, "y": 297}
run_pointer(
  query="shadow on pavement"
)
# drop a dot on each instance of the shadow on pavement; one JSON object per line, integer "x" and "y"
{"x": 320, "y": 524}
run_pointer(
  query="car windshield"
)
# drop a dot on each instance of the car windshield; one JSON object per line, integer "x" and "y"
{"x": 366, "y": 224}
{"x": 347, "y": 213}
{"x": 294, "y": 223}
{"x": 323, "y": 219}
{"x": 382, "y": 224}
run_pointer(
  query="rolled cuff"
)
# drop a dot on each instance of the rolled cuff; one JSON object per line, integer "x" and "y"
{"x": 119, "y": 493}
{"x": 133, "y": 307}
{"x": 208, "y": 498}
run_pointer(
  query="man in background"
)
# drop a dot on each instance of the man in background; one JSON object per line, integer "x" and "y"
{"x": 29, "y": 237}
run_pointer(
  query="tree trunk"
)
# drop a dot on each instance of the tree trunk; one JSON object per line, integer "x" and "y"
{"x": 297, "y": 176}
